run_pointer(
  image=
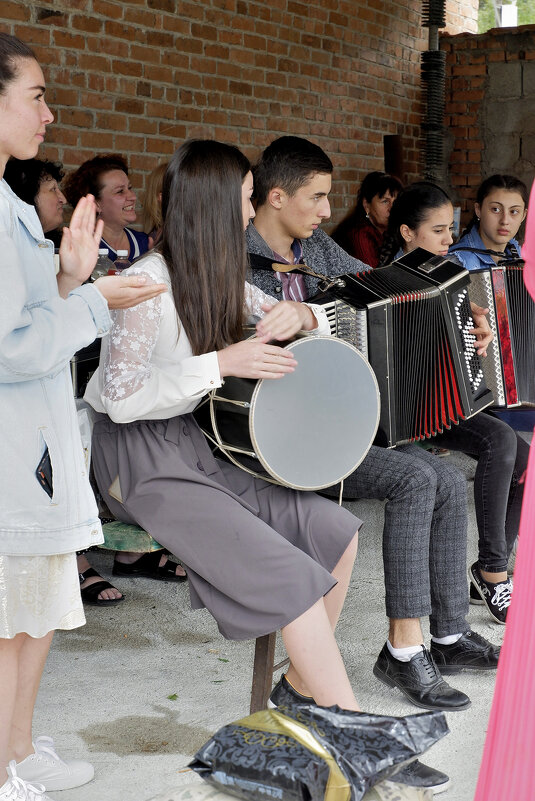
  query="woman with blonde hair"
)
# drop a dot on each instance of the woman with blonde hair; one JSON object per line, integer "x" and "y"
{"x": 152, "y": 204}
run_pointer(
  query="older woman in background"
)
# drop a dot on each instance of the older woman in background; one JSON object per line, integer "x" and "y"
{"x": 106, "y": 177}
{"x": 361, "y": 233}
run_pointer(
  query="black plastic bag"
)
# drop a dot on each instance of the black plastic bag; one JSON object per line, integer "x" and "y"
{"x": 312, "y": 753}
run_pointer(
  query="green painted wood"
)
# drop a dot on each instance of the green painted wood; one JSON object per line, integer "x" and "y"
{"x": 120, "y": 536}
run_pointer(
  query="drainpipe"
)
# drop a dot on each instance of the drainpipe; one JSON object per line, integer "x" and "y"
{"x": 433, "y": 71}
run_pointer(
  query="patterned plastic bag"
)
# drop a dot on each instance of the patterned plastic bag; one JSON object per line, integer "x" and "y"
{"x": 311, "y": 752}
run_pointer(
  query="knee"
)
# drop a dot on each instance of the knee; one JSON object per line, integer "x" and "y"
{"x": 501, "y": 445}
{"x": 418, "y": 479}
{"x": 451, "y": 483}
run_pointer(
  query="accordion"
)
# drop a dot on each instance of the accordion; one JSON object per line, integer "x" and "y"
{"x": 412, "y": 321}
{"x": 509, "y": 368}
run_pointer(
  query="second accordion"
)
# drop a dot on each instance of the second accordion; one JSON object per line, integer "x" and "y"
{"x": 510, "y": 365}
{"x": 412, "y": 321}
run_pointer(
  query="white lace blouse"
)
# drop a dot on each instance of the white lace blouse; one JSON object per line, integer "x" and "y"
{"x": 147, "y": 370}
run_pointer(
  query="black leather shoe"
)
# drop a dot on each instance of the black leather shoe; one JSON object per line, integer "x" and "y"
{"x": 283, "y": 694}
{"x": 420, "y": 680}
{"x": 416, "y": 774}
{"x": 470, "y": 652}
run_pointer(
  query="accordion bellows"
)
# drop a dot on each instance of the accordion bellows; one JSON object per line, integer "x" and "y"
{"x": 509, "y": 367}
{"x": 412, "y": 321}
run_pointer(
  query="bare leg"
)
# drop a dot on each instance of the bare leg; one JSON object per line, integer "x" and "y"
{"x": 311, "y": 639}
{"x": 494, "y": 578}
{"x": 316, "y": 660}
{"x": 335, "y": 599}
{"x": 404, "y": 632}
{"x": 9, "y": 667}
{"x": 32, "y": 658}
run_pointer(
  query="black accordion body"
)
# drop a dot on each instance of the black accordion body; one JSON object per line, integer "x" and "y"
{"x": 510, "y": 365}
{"x": 411, "y": 320}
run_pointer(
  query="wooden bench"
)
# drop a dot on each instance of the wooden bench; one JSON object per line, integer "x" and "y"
{"x": 120, "y": 536}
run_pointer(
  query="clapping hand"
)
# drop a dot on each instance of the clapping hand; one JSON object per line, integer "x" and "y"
{"x": 79, "y": 245}
{"x": 125, "y": 291}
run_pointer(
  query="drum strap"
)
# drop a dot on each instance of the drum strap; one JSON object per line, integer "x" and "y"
{"x": 258, "y": 262}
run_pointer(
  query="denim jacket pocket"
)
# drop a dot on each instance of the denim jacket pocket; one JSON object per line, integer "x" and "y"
{"x": 50, "y": 441}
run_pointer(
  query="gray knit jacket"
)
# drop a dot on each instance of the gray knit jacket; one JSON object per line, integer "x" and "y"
{"x": 320, "y": 253}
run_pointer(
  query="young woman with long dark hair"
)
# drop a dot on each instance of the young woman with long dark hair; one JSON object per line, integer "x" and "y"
{"x": 422, "y": 217}
{"x": 499, "y": 211}
{"x": 260, "y": 557}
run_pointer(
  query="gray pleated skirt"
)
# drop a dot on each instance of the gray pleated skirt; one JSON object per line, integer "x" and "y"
{"x": 258, "y": 555}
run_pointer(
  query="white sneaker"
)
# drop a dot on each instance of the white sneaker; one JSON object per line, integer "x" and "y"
{"x": 16, "y": 789}
{"x": 47, "y": 768}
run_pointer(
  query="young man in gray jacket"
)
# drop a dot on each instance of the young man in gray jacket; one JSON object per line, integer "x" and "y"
{"x": 424, "y": 535}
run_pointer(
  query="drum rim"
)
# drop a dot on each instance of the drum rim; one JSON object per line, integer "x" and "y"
{"x": 268, "y": 468}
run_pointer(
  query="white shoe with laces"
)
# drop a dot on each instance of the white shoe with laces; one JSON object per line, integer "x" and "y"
{"x": 16, "y": 789}
{"x": 46, "y": 767}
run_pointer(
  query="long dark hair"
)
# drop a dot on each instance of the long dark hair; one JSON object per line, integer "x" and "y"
{"x": 497, "y": 181}
{"x": 11, "y": 50}
{"x": 375, "y": 183}
{"x": 411, "y": 207}
{"x": 203, "y": 241}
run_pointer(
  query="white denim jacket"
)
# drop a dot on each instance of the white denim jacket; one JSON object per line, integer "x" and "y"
{"x": 39, "y": 333}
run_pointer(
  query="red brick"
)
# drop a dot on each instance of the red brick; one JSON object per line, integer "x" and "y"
{"x": 15, "y": 11}
{"x": 107, "y": 9}
{"x": 97, "y": 140}
{"x": 32, "y": 35}
{"x": 88, "y": 24}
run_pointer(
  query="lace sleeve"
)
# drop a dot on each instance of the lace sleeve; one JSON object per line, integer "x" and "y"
{"x": 129, "y": 346}
{"x": 255, "y": 298}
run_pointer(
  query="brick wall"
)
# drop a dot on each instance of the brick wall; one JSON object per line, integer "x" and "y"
{"x": 462, "y": 16}
{"x": 490, "y": 108}
{"x": 138, "y": 77}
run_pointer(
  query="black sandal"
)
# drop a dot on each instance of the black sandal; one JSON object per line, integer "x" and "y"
{"x": 148, "y": 566}
{"x": 90, "y": 594}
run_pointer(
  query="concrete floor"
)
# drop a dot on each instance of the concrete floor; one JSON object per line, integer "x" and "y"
{"x": 105, "y": 692}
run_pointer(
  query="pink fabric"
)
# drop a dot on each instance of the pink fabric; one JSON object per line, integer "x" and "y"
{"x": 508, "y": 767}
{"x": 528, "y": 248}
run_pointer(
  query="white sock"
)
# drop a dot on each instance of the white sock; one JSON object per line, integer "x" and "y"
{"x": 449, "y": 640}
{"x": 404, "y": 654}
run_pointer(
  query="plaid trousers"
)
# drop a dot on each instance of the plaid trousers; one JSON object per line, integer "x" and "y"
{"x": 424, "y": 533}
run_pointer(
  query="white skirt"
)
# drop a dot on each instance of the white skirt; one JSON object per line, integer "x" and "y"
{"x": 39, "y": 594}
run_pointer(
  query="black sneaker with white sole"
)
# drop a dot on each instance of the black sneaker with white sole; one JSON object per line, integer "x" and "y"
{"x": 495, "y": 596}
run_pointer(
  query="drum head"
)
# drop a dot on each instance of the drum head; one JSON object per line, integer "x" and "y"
{"x": 313, "y": 427}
